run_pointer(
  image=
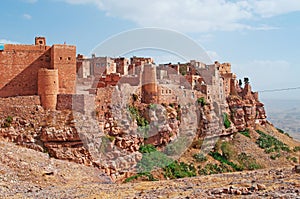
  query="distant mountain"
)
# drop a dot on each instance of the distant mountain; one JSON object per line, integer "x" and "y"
{"x": 284, "y": 114}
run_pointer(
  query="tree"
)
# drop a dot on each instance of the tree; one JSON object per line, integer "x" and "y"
{"x": 240, "y": 83}
{"x": 246, "y": 80}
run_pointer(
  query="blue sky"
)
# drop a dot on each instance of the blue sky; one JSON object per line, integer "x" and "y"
{"x": 259, "y": 37}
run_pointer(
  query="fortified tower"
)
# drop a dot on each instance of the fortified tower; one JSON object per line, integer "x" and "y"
{"x": 149, "y": 84}
{"x": 40, "y": 41}
{"x": 63, "y": 58}
{"x": 48, "y": 87}
{"x": 38, "y": 69}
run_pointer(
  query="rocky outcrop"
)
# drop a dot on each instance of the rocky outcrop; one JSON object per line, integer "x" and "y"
{"x": 61, "y": 141}
{"x": 65, "y": 144}
{"x": 20, "y": 131}
{"x": 245, "y": 109}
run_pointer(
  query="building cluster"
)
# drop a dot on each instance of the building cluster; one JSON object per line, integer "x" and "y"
{"x": 50, "y": 71}
{"x": 162, "y": 83}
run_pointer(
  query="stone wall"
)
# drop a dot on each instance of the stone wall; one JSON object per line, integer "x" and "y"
{"x": 79, "y": 103}
{"x": 19, "y": 106}
{"x": 19, "y": 65}
{"x": 103, "y": 101}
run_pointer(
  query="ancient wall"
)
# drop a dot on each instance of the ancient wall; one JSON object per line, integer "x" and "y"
{"x": 79, "y": 103}
{"x": 131, "y": 80}
{"x": 63, "y": 58}
{"x": 19, "y": 106}
{"x": 103, "y": 101}
{"x": 19, "y": 65}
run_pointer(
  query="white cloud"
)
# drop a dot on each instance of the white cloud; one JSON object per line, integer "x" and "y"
{"x": 213, "y": 55}
{"x": 5, "y": 41}
{"x": 27, "y": 16}
{"x": 194, "y": 15}
{"x": 269, "y": 8}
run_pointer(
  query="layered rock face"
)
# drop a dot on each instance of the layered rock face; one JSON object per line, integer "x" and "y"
{"x": 65, "y": 144}
{"x": 44, "y": 131}
{"x": 245, "y": 109}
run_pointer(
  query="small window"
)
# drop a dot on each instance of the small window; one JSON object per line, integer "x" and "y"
{"x": 69, "y": 58}
{"x": 60, "y": 58}
{"x": 170, "y": 91}
{"x": 41, "y": 42}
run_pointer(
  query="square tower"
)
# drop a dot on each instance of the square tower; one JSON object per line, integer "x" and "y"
{"x": 40, "y": 41}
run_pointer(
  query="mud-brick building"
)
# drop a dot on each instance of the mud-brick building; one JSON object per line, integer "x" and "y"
{"x": 38, "y": 69}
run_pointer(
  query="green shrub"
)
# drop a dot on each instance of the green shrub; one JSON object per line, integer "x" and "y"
{"x": 293, "y": 159}
{"x": 210, "y": 169}
{"x": 222, "y": 159}
{"x": 200, "y": 157}
{"x": 275, "y": 156}
{"x": 201, "y": 101}
{"x": 177, "y": 147}
{"x": 147, "y": 174}
{"x": 296, "y": 148}
{"x": 227, "y": 150}
{"x": 152, "y": 106}
{"x": 9, "y": 119}
{"x": 7, "y": 122}
{"x": 179, "y": 170}
{"x": 226, "y": 121}
{"x": 143, "y": 131}
{"x": 270, "y": 143}
{"x": 153, "y": 160}
{"x": 141, "y": 121}
{"x": 148, "y": 148}
{"x": 183, "y": 70}
{"x": 248, "y": 162}
{"x": 245, "y": 133}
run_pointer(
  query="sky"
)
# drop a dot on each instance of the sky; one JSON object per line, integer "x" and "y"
{"x": 260, "y": 38}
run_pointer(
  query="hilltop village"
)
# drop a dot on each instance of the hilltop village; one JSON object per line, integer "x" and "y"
{"x": 55, "y": 73}
{"x": 43, "y": 89}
